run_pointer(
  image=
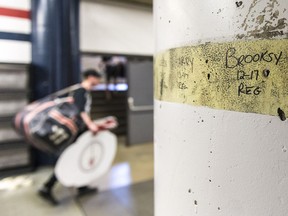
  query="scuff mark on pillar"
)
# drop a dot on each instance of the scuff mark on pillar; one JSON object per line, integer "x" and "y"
{"x": 264, "y": 20}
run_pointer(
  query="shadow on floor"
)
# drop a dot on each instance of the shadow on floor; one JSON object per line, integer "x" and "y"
{"x": 133, "y": 200}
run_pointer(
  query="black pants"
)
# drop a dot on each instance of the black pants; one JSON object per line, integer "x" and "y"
{"x": 51, "y": 182}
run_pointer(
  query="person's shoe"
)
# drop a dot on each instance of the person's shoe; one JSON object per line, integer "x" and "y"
{"x": 86, "y": 190}
{"x": 47, "y": 195}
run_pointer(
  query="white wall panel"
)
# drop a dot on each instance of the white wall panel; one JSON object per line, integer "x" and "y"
{"x": 16, "y": 4}
{"x": 15, "y": 51}
{"x": 15, "y": 25}
{"x": 116, "y": 28}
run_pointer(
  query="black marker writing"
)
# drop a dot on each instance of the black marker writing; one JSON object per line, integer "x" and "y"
{"x": 242, "y": 75}
{"x": 232, "y": 60}
{"x": 248, "y": 90}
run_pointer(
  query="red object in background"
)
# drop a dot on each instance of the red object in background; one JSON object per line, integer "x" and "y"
{"x": 14, "y": 13}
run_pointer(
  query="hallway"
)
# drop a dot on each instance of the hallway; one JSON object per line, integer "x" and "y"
{"x": 127, "y": 189}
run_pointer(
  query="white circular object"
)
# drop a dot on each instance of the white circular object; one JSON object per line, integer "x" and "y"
{"x": 87, "y": 159}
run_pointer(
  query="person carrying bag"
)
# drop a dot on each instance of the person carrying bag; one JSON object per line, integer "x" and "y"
{"x": 54, "y": 122}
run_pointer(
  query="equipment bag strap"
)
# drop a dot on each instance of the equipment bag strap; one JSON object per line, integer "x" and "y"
{"x": 64, "y": 91}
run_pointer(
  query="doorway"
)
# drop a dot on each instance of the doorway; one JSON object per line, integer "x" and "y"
{"x": 126, "y": 92}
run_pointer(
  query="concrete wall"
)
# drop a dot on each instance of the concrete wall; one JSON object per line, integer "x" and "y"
{"x": 220, "y": 150}
{"x": 111, "y": 27}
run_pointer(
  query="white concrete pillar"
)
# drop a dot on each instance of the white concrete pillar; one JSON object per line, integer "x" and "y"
{"x": 221, "y": 82}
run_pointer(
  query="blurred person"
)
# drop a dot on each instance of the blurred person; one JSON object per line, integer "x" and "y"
{"x": 83, "y": 101}
{"x": 115, "y": 71}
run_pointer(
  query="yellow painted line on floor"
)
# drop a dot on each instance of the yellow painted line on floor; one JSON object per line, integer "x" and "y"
{"x": 244, "y": 76}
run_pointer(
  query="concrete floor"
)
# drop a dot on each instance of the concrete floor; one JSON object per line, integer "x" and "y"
{"x": 132, "y": 200}
{"x": 128, "y": 186}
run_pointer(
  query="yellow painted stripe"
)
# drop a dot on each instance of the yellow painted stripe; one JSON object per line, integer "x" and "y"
{"x": 244, "y": 76}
